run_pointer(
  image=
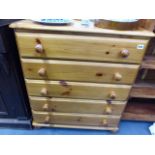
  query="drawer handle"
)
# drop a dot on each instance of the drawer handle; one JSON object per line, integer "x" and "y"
{"x": 39, "y": 48}
{"x": 45, "y": 106}
{"x": 117, "y": 76}
{"x": 104, "y": 122}
{"x": 108, "y": 109}
{"x": 47, "y": 119}
{"x": 42, "y": 72}
{"x": 112, "y": 95}
{"x": 44, "y": 91}
{"x": 124, "y": 53}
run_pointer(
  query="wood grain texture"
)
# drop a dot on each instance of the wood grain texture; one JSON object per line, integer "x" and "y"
{"x": 75, "y": 119}
{"x": 40, "y": 125}
{"x": 79, "y": 71}
{"x": 143, "y": 90}
{"x": 81, "y": 47}
{"x": 70, "y": 105}
{"x": 148, "y": 63}
{"x": 148, "y": 75}
{"x": 148, "y": 24}
{"x": 77, "y": 89}
{"x": 140, "y": 111}
{"x": 77, "y": 28}
{"x": 116, "y": 25}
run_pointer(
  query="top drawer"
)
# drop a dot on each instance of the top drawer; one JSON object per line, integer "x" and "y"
{"x": 81, "y": 47}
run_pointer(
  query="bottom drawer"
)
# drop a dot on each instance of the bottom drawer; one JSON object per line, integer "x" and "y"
{"x": 76, "y": 119}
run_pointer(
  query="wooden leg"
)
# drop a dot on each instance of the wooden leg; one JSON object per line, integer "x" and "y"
{"x": 114, "y": 130}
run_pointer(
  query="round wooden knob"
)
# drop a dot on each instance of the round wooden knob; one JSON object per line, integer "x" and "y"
{"x": 47, "y": 119}
{"x": 39, "y": 48}
{"x": 112, "y": 95}
{"x": 124, "y": 53}
{"x": 117, "y": 76}
{"x": 104, "y": 122}
{"x": 44, "y": 91}
{"x": 45, "y": 106}
{"x": 42, "y": 72}
{"x": 108, "y": 109}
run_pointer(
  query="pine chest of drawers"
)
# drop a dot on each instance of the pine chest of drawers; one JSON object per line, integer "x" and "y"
{"x": 78, "y": 77}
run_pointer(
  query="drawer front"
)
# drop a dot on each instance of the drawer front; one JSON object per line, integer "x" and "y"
{"x": 81, "y": 47}
{"x": 79, "y": 71}
{"x": 76, "y": 119}
{"x": 77, "y": 90}
{"x": 83, "y": 106}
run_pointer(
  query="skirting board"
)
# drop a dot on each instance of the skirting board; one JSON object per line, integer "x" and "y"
{"x": 15, "y": 123}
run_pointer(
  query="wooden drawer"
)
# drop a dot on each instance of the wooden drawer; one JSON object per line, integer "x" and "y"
{"x": 79, "y": 71}
{"x": 81, "y": 47}
{"x": 76, "y": 119}
{"x": 77, "y": 90}
{"x": 83, "y": 106}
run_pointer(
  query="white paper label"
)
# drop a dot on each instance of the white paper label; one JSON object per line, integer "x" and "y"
{"x": 152, "y": 129}
{"x": 140, "y": 46}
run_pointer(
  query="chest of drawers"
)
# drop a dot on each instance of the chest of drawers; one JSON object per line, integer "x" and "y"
{"x": 78, "y": 77}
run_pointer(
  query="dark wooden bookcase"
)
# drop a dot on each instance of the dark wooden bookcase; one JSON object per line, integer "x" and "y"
{"x": 141, "y": 105}
{"x": 14, "y": 107}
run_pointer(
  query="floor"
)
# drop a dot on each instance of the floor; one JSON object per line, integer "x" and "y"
{"x": 126, "y": 128}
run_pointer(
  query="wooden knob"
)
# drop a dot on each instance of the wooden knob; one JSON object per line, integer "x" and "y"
{"x": 45, "y": 106}
{"x": 47, "y": 119}
{"x": 108, "y": 109}
{"x": 39, "y": 48}
{"x": 112, "y": 95}
{"x": 42, "y": 72}
{"x": 44, "y": 91}
{"x": 104, "y": 122}
{"x": 124, "y": 53}
{"x": 117, "y": 76}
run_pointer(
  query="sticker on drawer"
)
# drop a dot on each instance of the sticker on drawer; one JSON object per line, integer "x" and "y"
{"x": 140, "y": 46}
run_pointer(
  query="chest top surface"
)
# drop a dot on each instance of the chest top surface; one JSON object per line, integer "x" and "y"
{"x": 76, "y": 27}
